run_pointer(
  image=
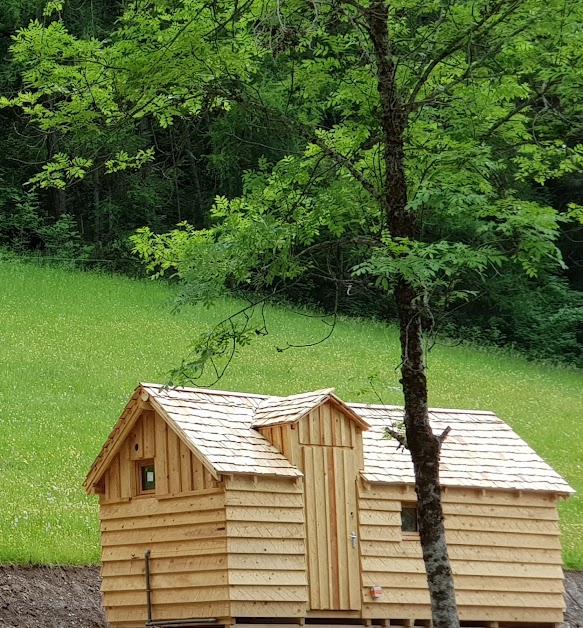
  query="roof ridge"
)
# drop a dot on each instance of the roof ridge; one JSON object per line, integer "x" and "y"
{"x": 380, "y": 406}
{"x": 207, "y": 391}
{"x": 277, "y": 399}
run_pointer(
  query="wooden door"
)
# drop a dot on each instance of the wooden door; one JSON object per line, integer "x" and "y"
{"x": 331, "y": 528}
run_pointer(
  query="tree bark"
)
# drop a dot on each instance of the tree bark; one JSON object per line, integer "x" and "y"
{"x": 423, "y": 445}
{"x": 58, "y": 197}
{"x": 96, "y": 185}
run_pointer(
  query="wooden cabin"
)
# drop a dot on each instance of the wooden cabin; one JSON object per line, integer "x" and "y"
{"x": 254, "y": 509}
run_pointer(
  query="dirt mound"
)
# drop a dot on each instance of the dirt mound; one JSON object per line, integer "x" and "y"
{"x": 50, "y": 597}
{"x": 68, "y": 597}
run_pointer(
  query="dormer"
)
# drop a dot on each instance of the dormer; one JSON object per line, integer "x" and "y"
{"x": 315, "y": 419}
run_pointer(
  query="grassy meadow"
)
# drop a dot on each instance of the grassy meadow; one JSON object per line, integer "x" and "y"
{"x": 74, "y": 345}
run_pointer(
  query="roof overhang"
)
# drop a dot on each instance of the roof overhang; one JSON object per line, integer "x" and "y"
{"x": 315, "y": 400}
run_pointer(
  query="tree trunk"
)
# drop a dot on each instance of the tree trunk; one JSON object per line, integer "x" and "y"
{"x": 58, "y": 197}
{"x": 423, "y": 445}
{"x": 96, "y": 183}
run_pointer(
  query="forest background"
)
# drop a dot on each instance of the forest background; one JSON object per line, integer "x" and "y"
{"x": 216, "y": 152}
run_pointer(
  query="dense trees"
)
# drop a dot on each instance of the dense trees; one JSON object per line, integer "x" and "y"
{"x": 201, "y": 156}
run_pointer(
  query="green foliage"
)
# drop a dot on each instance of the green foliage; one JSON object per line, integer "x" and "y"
{"x": 59, "y": 170}
{"x": 232, "y": 117}
{"x": 542, "y": 318}
{"x": 156, "y": 63}
{"x": 123, "y": 161}
{"x": 52, "y": 6}
{"x": 20, "y": 219}
{"x": 63, "y": 242}
{"x": 422, "y": 265}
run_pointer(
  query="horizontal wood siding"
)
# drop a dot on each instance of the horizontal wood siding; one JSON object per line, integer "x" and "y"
{"x": 187, "y": 538}
{"x": 504, "y": 548}
{"x": 266, "y": 547}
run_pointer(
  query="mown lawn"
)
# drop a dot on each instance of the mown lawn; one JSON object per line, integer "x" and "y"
{"x": 74, "y": 345}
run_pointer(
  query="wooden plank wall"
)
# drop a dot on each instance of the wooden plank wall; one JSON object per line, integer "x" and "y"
{"x": 285, "y": 439}
{"x": 178, "y": 470}
{"x": 266, "y": 547}
{"x": 187, "y": 539}
{"x": 183, "y": 525}
{"x": 333, "y": 561}
{"x": 330, "y": 454}
{"x": 504, "y": 549}
{"x": 326, "y": 426}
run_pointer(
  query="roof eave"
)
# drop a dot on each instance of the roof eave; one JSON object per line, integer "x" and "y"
{"x": 124, "y": 423}
{"x": 560, "y": 493}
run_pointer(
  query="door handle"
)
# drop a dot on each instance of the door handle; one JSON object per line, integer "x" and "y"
{"x": 353, "y": 538}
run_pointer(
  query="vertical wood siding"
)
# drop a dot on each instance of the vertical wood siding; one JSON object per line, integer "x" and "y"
{"x": 178, "y": 470}
{"x": 327, "y": 448}
{"x": 329, "y": 445}
{"x": 504, "y": 549}
{"x": 266, "y": 547}
{"x": 333, "y": 562}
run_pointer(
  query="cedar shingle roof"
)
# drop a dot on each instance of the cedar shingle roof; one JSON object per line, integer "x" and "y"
{"x": 281, "y": 410}
{"x": 481, "y": 451}
{"x": 218, "y": 425}
{"x": 278, "y": 410}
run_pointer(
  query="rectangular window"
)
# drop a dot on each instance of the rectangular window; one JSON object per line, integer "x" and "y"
{"x": 409, "y": 518}
{"x": 146, "y": 477}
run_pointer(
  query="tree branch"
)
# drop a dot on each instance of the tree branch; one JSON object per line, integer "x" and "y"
{"x": 344, "y": 162}
{"x": 517, "y": 109}
{"x": 311, "y": 135}
{"x": 443, "y": 435}
{"x": 460, "y": 41}
{"x": 398, "y": 436}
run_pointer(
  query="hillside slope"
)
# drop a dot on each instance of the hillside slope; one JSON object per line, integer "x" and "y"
{"x": 74, "y": 345}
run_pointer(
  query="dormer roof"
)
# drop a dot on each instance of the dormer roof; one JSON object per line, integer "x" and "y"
{"x": 282, "y": 410}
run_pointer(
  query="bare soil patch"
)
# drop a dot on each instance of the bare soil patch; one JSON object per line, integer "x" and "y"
{"x": 574, "y": 599}
{"x": 50, "y": 597}
{"x": 68, "y": 597}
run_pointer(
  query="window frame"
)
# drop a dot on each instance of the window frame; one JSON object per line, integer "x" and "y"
{"x": 140, "y": 465}
{"x": 410, "y": 534}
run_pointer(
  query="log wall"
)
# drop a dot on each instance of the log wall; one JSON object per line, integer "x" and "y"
{"x": 504, "y": 548}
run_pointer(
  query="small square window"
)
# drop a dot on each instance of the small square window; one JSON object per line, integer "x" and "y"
{"x": 409, "y": 519}
{"x": 147, "y": 477}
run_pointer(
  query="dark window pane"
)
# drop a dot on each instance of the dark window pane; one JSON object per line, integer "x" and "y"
{"x": 148, "y": 477}
{"x": 409, "y": 519}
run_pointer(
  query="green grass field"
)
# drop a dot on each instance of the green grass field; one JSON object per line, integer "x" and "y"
{"x": 74, "y": 345}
